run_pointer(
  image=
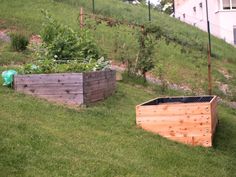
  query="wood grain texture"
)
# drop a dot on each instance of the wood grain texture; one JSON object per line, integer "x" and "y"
{"x": 68, "y": 88}
{"x": 189, "y": 123}
{"x": 98, "y": 89}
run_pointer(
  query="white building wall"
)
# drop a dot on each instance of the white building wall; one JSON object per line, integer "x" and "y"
{"x": 227, "y": 22}
{"x": 221, "y": 22}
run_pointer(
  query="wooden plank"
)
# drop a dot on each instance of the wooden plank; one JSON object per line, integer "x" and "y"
{"x": 214, "y": 118}
{"x": 194, "y": 141}
{"x": 174, "y": 118}
{"x": 142, "y": 104}
{"x": 43, "y": 79}
{"x": 93, "y": 98}
{"x": 65, "y": 96}
{"x": 55, "y": 85}
{"x": 187, "y": 128}
{"x": 98, "y": 79}
{"x": 99, "y": 88}
{"x": 175, "y": 109}
{"x": 48, "y": 91}
{"x": 48, "y": 81}
{"x": 102, "y": 81}
{"x": 190, "y": 138}
{"x": 30, "y": 88}
{"x": 100, "y": 75}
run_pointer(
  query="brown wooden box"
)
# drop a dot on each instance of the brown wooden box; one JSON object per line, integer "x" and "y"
{"x": 189, "y": 120}
{"x": 68, "y": 88}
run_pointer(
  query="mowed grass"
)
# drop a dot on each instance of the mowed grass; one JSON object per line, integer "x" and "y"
{"x": 41, "y": 139}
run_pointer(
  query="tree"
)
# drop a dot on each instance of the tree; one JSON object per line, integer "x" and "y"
{"x": 145, "y": 60}
{"x": 166, "y": 6}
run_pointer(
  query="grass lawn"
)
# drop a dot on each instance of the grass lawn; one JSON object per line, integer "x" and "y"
{"x": 40, "y": 139}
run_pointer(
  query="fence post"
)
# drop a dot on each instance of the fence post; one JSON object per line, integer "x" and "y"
{"x": 81, "y": 17}
{"x": 149, "y": 10}
{"x": 209, "y": 71}
{"x": 93, "y": 3}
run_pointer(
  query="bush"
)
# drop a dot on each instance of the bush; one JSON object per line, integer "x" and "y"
{"x": 63, "y": 44}
{"x": 19, "y": 42}
{"x": 65, "y": 50}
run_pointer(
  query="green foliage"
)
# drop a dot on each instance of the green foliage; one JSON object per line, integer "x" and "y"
{"x": 19, "y": 42}
{"x": 129, "y": 77}
{"x": 166, "y": 6}
{"x": 7, "y": 56}
{"x": 51, "y": 66}
{"x": 101, "y": 64}
{"x": 145, "y": 61}
{"x": 65, "y": 50}
{"x": 62, "y": 43}
{"x": 183, "y": 68}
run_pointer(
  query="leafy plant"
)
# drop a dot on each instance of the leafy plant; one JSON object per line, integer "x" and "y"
{"x": 19, "y": 41}
{"x": 62, "y": 43}
{"x": 101, "y": 64}
{"x": 145, "y": 61}
{"x": 65, "y": 50}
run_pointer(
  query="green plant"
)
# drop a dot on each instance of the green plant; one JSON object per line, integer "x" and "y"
{"x": 101, "y": 64}
{"x": 63, "y": 44}
{"x": 133, "y": 78}
{"x": 65, "y": 50}
{"x": 19, "y": 41}
{"x": 145, "y": 61}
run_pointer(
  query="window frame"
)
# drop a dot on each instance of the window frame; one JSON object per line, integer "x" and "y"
{"x": 230, "y": 6}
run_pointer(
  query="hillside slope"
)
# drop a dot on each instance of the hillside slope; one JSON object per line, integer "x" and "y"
{"x": 180, "y": 55}
{"x": 40, "y": 139}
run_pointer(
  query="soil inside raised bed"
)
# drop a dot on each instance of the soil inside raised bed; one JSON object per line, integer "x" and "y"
{"x": 179, "y": 100}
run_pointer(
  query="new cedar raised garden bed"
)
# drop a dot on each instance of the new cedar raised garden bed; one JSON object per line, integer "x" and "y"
{"x": 68, "y": 88}
{"x": 189, "y": 120}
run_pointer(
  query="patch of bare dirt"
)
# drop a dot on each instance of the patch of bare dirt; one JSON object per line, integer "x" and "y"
{"x": 36, "y": 39}
{"x": 4, "y": 36}
{"x": 225, "y": 73}
{"x": 224, "y": 88}
{"x": 152, "y": 79}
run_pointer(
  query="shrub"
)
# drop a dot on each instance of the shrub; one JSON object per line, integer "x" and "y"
{"x": 145, "y": 61}
{"x": 19, "y": 41}
{"x": 65, "y": 50}
{"x": 63, "y": 44}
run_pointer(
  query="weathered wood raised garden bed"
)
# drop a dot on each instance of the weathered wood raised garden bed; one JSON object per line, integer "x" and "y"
{"x": 189, "y": 120}
{"x": 68, "y": 88}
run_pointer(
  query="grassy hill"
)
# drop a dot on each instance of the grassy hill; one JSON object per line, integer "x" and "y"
{"x": 180, "y": 55}
{"x": 41, "y": 139}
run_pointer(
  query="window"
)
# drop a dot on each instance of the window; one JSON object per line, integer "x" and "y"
{"x": 226, "y": 4}
{"x": 233, "y": 4}
{"x": 200, "y": 4}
